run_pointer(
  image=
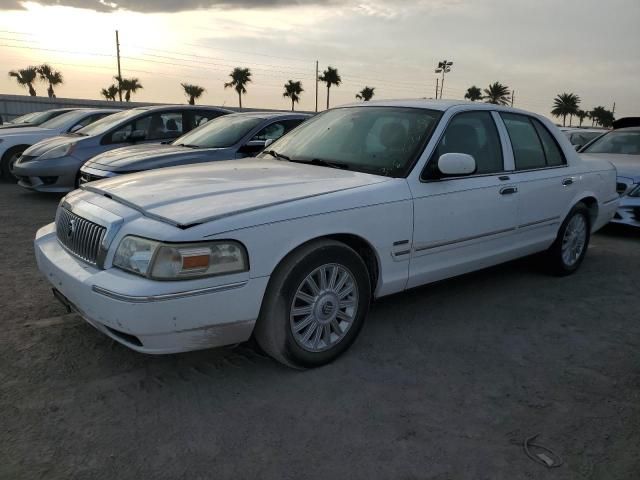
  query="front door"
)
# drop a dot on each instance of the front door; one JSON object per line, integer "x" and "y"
{"x": 463, "y": 223}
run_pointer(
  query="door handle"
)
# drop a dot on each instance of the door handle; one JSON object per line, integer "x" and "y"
{"x": 567, "y": 181}
{"x": 508, "y": 190}
{"x": 504, "y": 178}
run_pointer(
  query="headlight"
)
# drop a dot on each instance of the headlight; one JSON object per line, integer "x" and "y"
{"x": 59, "y": 151}
{"x": 163, "y": 261}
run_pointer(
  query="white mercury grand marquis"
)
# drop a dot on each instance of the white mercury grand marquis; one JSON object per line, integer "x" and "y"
{"x": 291, "y": 247}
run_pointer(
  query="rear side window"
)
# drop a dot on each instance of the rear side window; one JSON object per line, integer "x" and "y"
{"x": 527, "y": 148}
{"x": 552, "y": 151}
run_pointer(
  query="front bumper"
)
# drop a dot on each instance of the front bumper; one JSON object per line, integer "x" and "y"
{"x": 120, "y": 305}
{"x": 52, "y": 175}
{"x": 628, "y": 212}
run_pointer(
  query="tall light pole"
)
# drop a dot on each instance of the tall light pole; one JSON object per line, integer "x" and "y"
{"x": 443, "y": 67}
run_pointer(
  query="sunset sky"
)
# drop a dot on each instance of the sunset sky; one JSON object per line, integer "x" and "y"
{"x": 539, "y": 48}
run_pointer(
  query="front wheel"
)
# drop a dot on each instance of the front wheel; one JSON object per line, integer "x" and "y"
{"x": 8, "y": 161}
{"x": 568, "y": 251}
{"x": 315, "y": 305}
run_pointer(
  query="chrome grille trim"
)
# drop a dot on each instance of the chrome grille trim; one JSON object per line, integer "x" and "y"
{"x": 79, "y": 236}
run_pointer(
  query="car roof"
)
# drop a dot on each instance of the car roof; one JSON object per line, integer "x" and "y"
{"x": 627, "y": 129}
{"x": 441, "y": 105}
{"x": 270, "y": 115}
{"x": 173, "y": 107}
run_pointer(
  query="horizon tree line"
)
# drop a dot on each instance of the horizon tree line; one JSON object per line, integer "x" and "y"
{"x": 564, "y": 104}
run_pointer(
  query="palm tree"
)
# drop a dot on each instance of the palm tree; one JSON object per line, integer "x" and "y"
{"x": 331, "y": 77}
{"x": 581, "y": 114}
{"x": 129, "y": 86}
{"x": 53, "y": 77}
{"x": 601, "y": 116}
{"x": 293, "y": 90}
{"x": 192, "y": 91}
{"x": 239, "y": 79}
{"x": 565, "y": 104}
{"x": 25, "y": 78}
{"x": 497, "y": 94}
{"x": 473, "y": 93}
{"x": 365, "y": 94}
{"x": 110, "y": 92}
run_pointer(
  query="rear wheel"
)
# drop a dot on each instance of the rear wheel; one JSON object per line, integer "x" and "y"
{"x": 315, "y": 305}
{"x": 568, "y": 251}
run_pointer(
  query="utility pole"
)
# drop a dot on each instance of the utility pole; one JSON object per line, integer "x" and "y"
{"x": 443, "y": 67}
{"x": 513, "y": 97}
{"x": 437, "y": 86}
{"x": 317, "y": 73}
{"x": 119, "y": 72}
{"x": 613, "y": 110}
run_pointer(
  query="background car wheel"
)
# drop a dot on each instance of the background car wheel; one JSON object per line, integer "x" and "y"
{"x": 315, "y": 305}
{"x": 568, "y": 251}
{"x": 8, "y": 159}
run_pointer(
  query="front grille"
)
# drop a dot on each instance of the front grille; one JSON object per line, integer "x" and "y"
{"x": 87, "y": 177}
{"x": 79, "y": 236}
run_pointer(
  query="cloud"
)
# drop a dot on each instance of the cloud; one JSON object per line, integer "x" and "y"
{"x": 157, "y": 6}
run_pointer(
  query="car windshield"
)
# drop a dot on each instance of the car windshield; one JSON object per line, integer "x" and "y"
{"x": 108, "y": 122}
{"x": 36, "y": 117}
{"x": 221, "y": 132}
{"x": 626, "y": 143}
{"x": 63, "y": 120}
{"x": 379, "y": 140}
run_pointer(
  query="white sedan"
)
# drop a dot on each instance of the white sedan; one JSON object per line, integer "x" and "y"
{"x": 291, "y": 247}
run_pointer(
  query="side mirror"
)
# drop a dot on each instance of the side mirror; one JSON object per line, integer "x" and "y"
{"x": 456, "y": 164}
{"x": 137, "y": 135}
{"x": 256, "y": 143}
{"x": 268, "y": 142}
{"x": 75, "y": 128}
{"x": 578, "y": 147}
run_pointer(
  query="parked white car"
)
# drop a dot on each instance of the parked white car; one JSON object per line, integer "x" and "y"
{"x": 14, "y": 141}
{"x": 357, "y": 203}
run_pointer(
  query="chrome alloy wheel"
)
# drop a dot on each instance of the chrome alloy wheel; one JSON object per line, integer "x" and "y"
{"x": 574, "y": 240}
{"x": 324, "y": 307}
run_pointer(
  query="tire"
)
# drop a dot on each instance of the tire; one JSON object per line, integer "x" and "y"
{"x": 8, "y": 159}
{"x": 570, "y": 247}
{"x": 289, "y": 302}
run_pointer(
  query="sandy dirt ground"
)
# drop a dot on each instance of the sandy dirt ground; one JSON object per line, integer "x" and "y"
{"x": 444, "y": 382}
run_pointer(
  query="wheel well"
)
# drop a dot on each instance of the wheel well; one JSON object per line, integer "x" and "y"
{"x": 359, "y": 245}
{"x": 366, "y": 252}
{"x": 13, "y": 149}
{"x": 592, "y": 204}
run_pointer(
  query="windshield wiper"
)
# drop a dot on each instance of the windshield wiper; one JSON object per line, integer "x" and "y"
{"x": 324, "y": 163}
{"x": 277, "y": 155}
{"x": 187, "y": 145}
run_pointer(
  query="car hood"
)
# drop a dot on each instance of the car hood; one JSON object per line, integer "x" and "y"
{"x": 148, "y": 156}
{"x": 626, "y": 165}
{"x": 6, "y": 132}
{"x": 194, "y": 194}
{"x": 49, "y": 143}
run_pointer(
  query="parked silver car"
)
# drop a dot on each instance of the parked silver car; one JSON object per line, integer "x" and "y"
{"x": 14, "y": 141}
{"x": 34, "y": 119}
{"x": 53, "y": 165}
{"x": 233, "y": 136}
{"x": 622, "y": 148}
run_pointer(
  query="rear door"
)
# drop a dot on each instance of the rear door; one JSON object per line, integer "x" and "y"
{"x": 544, "y": 181}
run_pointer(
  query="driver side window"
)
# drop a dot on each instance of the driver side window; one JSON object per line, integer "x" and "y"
{"x": 123, "y": 133}
{"x": 475, "y": 134}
